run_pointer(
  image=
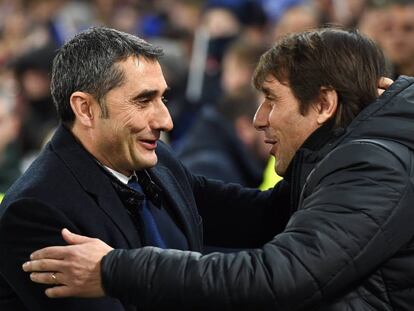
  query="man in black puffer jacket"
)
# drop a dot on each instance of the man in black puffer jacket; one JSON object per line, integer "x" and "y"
{"x": 348, "y": 157}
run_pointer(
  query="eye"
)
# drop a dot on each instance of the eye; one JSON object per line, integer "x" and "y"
{"x": 144, "y": 101}
{"x": 164, "y": 100}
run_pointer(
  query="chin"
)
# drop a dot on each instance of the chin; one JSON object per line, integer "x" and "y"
{"x": 280, "y": 170}
{"x": 148, "y": 162}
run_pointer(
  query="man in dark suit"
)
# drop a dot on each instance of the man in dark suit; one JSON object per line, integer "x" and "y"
{"x": 109, "y": 89}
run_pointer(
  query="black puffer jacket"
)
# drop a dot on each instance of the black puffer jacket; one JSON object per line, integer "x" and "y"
{"x": 349, "y": 246}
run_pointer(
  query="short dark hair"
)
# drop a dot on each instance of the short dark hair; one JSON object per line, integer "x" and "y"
{"x": 343, "y": 60}
{"x": 87, "y": 63}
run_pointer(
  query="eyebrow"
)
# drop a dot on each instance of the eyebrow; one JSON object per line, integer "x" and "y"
{"x": 149, "y": 94}
{"x": 266, "y": 91}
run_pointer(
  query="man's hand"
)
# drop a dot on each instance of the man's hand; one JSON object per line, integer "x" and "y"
{"x": 383, "y": 84}
{"x": 74, "y": 270}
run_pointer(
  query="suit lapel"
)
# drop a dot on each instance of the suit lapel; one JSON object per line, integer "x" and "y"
{"x": 179, "y": 204}
{"x": 114, "y": 209}
{"x": 95, "y": 182}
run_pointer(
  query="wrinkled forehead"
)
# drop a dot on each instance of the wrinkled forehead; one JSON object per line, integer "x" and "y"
{"x": 140, "y": 65}
{"x": 270, "y": 82}
{"x": 143, "y": 73}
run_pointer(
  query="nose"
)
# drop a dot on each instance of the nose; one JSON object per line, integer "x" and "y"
{"x": 162, "y": 119}
{"x": 261, "y": 120}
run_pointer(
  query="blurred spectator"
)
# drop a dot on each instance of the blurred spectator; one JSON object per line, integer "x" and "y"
{"x": 183, "y": 17}
{"x": 227, "y": 21}
{"x": 126, "y": 18}
{"x": 9, "y": 130}
{"x": 238, "y": 65}
{"x": 398, "y": 44}
{"x": 104, "y": 10}
{"x": 254, "y": 21}
{"x": 32, "y": 72}
{"x": 250, "y": 15}
{"x": 276, "y": 9}
{"x": 224, "y": 144}
{"x": 223, "y": 27}
{"x": 169, "y": 18}
{"x": 295, "y": 19}
{"x": 18, "y": 32}
{"x": 345, "y": 13}
{"x": 67, "y": 18}
{"x": 375, "y": 21}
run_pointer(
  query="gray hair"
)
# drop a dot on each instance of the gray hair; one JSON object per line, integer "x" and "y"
{"x": 87, "y": 63}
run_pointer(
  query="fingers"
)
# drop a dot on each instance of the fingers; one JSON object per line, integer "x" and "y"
{"x": 53, "y": 252}
{"x": 66, "y": 288}
{"x": 385, "y": 82}
{"x": 60, "y": 292}
{"x": 50, "y": 278}
{"x": 43, "y": 265}
{"x": 72, "y": 238}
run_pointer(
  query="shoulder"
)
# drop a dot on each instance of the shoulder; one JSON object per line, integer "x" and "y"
{"x": 376, "y": 159}
{"x": 44, "y": 171}
{"x": 51, "y": 180}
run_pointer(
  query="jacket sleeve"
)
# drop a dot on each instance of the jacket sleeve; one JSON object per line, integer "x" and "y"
{"x": 239, "y": 217}
{"x": 354, "y": 218}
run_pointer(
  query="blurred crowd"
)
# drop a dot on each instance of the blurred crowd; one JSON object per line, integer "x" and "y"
{"x": 211, "y": 48}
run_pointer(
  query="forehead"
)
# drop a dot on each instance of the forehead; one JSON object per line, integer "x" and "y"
{"x": 143, "y": 73}
{"x": 274, "y": 86}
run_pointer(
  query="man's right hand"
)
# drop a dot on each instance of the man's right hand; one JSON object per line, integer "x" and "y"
{"x": 74, "y": 270}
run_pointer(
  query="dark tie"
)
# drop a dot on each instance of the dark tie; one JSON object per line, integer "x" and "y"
{"x": 151, "y": 232}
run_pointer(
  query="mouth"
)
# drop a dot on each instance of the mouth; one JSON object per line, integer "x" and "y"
{"x": 274, "y": 143}
{"x": 149, "y": 144}
{"x": 270, "y": 141}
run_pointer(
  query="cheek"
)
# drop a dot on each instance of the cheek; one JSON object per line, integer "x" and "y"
{"x": 132, "y": 123}
{"x": 291, "y": 137}
{"x": 128, "y": 119}
{"x": 274, "y": 119}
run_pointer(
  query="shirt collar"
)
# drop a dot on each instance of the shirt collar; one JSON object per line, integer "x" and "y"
{"x": 121, "y": 177}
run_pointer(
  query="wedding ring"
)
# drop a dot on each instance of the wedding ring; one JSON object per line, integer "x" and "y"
{"x": 53, "y": 276}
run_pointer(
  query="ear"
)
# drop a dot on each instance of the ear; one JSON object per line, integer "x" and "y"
{"x": 327, "y": 105}
{"x": 82, "y": 106}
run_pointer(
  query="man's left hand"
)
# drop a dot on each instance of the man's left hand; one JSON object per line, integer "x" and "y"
{"x": 383, "y": 84}
{"x": 74, "y": 270}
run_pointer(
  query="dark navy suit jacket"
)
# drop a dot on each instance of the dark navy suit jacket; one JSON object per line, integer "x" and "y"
{"x": 65, "y": 187}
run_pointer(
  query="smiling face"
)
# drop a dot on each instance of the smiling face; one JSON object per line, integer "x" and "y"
{"x": 286, "y": 129}
{"x": 399, "y": 41}
{"x": 126, "y": 140}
